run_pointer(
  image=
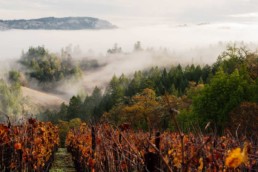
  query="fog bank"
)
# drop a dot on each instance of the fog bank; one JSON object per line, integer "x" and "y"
{"x": 175, "y": 37}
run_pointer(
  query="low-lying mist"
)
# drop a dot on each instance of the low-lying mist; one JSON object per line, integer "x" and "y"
{"x": 127, "y": 63}
{"x": 172, "y": 36}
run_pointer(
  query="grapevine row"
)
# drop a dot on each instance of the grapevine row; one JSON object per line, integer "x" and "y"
{"x": 28, "y": 147}
{"x": 110, "y": 149}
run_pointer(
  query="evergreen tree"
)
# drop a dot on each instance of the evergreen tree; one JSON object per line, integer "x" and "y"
{"x": 90, "y": 104}
{"x": 74, "y": 108}
{"x": 138, "y": 46}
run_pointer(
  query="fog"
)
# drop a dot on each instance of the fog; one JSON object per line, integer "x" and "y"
{"x": 167, "y": 44}
{"x": 172, "y": 36}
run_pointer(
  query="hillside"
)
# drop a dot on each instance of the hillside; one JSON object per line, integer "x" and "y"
{"x": 52, "y": 23}
{"x": 41, "y": 101}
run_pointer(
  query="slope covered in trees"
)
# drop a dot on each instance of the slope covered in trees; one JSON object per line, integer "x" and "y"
{"x": 203, "y": 94}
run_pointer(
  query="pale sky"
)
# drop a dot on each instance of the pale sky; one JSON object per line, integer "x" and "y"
{"x": 178, "y": 11}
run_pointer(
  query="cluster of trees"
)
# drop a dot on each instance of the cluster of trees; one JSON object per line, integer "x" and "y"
{"x": 147, "y": 111}
{"x": 202, "y": 94}
{"x": 77, "y": 108}
{"x": 47, "y": 67}
{"x": 235, "y": 81}
{"x": 117, "y": 50}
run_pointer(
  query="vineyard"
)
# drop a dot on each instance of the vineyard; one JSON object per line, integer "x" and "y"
{"x": 107, "y": 148}
{"x": 28, "y": 147}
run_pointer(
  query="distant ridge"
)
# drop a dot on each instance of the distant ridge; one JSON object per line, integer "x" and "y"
{"x": 53, "y": 23}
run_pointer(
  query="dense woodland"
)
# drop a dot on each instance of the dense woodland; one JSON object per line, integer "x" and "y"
{"x": 221, "y": 95}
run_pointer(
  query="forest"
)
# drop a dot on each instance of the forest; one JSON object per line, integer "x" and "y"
{"x": 221, "y": 95}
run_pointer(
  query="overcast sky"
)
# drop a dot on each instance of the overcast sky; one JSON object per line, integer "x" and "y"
{"x": 179, "y": 11}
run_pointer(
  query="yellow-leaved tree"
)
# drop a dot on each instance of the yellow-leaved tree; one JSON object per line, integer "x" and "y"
{"x": 143, "y": 111}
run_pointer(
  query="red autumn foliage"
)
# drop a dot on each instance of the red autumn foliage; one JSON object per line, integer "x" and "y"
{"x": 29, "y": 146}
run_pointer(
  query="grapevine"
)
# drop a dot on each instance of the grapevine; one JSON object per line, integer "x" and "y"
{"x": 108, "y": 148}
{"x": 28, "y": 147}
